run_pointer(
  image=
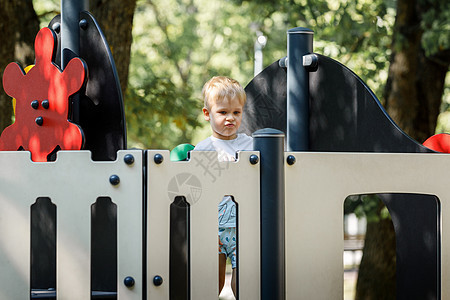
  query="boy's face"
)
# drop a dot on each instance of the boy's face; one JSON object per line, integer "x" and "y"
{"x": 225, "y": 117}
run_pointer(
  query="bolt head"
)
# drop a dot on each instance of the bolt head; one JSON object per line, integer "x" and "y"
{"x": 39, "y": 121}
{"x": 128, "y": 159}
{"x": 290, "y": 160}
{"x": 158, "y": 158}
{"x": 83, "y": 24}
{"x": 157, "y": 280}
{"x": 35, "y": 104}
{"x": 310, "y": 62}
{"x": 114, "y": 179}
{"x": 129, "y": 281}
{"x": 45, "y": 104}
{"x": 56, "y": 27}
{"x": 254, "y": 159}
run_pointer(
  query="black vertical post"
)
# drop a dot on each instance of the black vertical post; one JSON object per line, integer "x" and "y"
{"x": 300, "y": 43}
{"x": 70, "y": 40}
{"x": 270, "y": 143}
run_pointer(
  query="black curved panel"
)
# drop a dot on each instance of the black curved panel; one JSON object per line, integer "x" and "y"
{"x": 102, "y": 115}
{"x": 266, "y": 101}
{"x": 345, "y": 115}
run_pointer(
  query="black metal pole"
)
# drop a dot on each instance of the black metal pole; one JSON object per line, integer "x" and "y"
{"x": 70, "y": 40}
{"x": 300, "y": 43}
{"x": 270, "y": 143}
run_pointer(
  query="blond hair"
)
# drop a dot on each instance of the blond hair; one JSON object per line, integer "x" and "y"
{"x": 219, "y": 88}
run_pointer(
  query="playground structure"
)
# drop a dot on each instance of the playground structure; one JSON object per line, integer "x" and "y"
{"x": 95, "y": 221}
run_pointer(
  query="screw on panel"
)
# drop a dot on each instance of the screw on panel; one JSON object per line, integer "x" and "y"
{"x": 45, "y": 104}
{"x": 39, "y": 121}
{"x": 254, "y": 159}
{"x": 282, "y": 63}
{"x": 83, "y": 24}
{"x": 35, "y": 104}
{"x": 128, "y": 159}
{"x": 311, "y": 62}
{"x": 129, "y": 281}
{"x": 290, "y": 160}
{"x": 158, "y": 158}
{"x": 157, "y": 280}
{"x": 114, "y": 179}
{"x": 56, "y": 27}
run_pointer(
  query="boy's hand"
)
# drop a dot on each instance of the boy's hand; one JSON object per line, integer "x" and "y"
{"x": 220, "y": 243}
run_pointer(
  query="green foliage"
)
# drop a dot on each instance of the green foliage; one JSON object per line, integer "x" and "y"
{"x": 356, "y": 33}
{"x": 180, "y": 44}
{"x": 46, "y": 10}
{"x": 369, "y": 206}
{"x": 436, "y": 27}
{"x": 185, "y": 42}
{"x": 157, "y": 108}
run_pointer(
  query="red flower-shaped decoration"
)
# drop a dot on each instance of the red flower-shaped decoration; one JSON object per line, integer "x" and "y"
{"x": 439, "y": 142}
{"x": 42, "y": 103}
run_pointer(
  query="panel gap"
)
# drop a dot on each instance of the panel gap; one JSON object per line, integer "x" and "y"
{"x": 104, "y": 246}
{"x": 229, "y": 237}
{"x": 43, "y": 245}
{"x": 369, "y": 239}
{"x": 179, "y": 274}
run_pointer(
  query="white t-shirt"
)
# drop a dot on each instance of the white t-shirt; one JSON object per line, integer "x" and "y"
{"x": 226, "y": 151}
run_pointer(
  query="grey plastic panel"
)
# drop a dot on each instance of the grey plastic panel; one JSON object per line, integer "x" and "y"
{"x": 73, "y": 183}
{"x": 203, "y": 181}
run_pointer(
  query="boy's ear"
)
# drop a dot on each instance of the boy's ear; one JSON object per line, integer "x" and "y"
{"x": 206, "y": 114}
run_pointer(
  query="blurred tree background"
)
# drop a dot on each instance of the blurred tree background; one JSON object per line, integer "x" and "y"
{"x": 166, "y": 50}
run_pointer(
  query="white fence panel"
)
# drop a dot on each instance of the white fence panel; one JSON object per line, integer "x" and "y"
{"x": 316, "y": 187}
{"x": 73, "y": 183}
{"x": 203, "y": 181}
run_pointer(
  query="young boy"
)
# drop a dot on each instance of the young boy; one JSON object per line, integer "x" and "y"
{"x": 224, "y": 100}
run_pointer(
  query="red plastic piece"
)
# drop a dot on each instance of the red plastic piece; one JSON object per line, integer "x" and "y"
{"x": 45, "y": 81}
{"x": 439, "y": 142}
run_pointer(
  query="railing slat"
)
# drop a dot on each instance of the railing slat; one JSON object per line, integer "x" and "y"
{"x": 15, "y": 205}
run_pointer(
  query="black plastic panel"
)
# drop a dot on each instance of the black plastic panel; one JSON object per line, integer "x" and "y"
{"x": 417, "y": 232}
{"x": 266, "y": 101}
{"x": 101, "y": 109}
{"x": 345, "y": 115}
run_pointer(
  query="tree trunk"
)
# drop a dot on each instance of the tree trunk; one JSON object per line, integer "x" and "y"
{"x": 416, "y": 82}
{"x": 116, "y": 21}
{"x": 412, "y": 98}
{"x": 19, "y": 25}
{"x": 7, "y": 42}
{"x": 26, "y": 32}
{"x": 376, "y": 278}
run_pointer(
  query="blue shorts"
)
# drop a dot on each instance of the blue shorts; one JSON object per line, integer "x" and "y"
{"x": 227, "y": 237}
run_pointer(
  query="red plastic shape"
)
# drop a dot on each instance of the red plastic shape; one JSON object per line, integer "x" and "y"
{"x": 439, "y": 142}
{"x": 43, "y": 128}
